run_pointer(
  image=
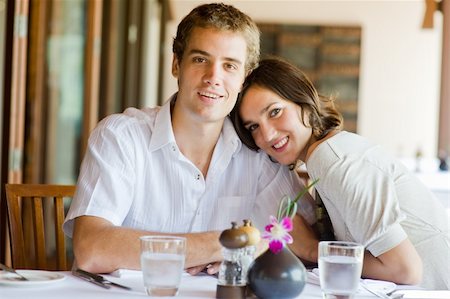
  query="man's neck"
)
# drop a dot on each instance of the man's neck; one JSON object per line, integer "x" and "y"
{"x": 197, "y": 140}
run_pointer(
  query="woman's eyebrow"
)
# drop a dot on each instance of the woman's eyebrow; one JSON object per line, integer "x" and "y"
{"x": 264, "y": 110}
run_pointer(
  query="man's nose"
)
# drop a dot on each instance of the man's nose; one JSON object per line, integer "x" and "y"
{"x": 213, "y": 74}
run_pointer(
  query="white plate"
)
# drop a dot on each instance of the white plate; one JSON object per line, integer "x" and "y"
{"x": 35, "y": 278}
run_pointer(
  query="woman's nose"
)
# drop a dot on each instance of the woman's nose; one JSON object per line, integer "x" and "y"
{"x": 268, "y": 132}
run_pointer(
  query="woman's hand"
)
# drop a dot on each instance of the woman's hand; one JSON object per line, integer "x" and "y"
{"x": 210, "y": 269}
{"x": 306, "y": 243}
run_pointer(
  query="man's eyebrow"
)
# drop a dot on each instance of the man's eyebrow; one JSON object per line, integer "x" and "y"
{"x": 197, "y": 51}
{"x": 204, "y": 53}
{"x": 264, "y": 110}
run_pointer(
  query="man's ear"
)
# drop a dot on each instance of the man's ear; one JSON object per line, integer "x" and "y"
{"x": 175, "y": 66}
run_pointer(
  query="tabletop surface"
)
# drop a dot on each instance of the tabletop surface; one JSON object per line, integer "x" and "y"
{"x": 200, "y": 286}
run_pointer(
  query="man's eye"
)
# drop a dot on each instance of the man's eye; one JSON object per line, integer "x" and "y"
{"x": 251, "y": 128}
{"x": 275, "y": 112}
{"x": 230, "y": 66}
{"x": 199, "y": 59}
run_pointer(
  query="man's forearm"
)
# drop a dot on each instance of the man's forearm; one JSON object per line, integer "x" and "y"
{"x": 101, "y": 247}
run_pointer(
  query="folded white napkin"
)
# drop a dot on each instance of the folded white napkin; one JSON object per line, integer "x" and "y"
{"x": 410, "y": 294}
{"x": 312, "y": 277}
{"x": 378, "y": 285}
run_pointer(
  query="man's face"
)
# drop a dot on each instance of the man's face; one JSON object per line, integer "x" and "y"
{"x": 210, "y": 74}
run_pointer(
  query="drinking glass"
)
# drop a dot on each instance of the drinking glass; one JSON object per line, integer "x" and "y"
{"x": 162, "y": 264}
{"x": 340, "y": 266}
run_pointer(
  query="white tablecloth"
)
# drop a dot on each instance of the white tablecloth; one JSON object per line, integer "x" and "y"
{"x": 201, "y": 286}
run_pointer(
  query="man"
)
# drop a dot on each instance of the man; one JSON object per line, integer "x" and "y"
{"x": 178, "y": 169}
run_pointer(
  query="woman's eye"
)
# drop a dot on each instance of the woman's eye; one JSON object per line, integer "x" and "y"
{"x": 251, "y": 128}
{"x": 275, "y": 112}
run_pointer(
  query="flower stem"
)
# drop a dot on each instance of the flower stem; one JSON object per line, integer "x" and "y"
{"x": 303, "y": 192}
{"x": 290, "y": 205}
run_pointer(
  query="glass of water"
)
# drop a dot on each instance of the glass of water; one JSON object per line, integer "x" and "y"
{"x": 162, "y": 264}
{"x": 340, "y": 267}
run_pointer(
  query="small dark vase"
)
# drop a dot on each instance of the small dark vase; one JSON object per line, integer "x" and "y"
{"x": 279, "y": 276}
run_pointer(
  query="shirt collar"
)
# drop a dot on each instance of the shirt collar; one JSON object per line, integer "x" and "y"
{"x": 163, "y": 131}
{"x": 230, "y": 136}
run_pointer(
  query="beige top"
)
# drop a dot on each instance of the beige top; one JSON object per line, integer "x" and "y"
{"x": 374, "y": 200}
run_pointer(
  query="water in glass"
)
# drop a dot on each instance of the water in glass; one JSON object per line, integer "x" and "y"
{"x": 339, "y": 275}
{"x": 162, "y": 273}
{"x": 340, "y": 267}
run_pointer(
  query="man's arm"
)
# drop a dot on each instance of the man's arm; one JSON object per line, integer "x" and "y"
{"x": 101, "y": 247}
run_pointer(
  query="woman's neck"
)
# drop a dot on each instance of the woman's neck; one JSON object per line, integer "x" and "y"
{"x": 315, "y": 143}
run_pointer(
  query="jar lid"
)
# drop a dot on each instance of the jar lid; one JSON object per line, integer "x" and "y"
{"x": 233, "y": 237}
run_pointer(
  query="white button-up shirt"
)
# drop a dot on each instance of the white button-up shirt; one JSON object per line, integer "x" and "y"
{"x": 134, "y": 175}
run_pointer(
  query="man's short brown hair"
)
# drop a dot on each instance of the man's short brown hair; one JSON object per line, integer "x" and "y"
{"x": 221, "y": 17}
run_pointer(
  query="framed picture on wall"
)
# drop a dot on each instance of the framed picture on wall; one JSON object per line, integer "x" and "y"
{"x": 329, "y": 55}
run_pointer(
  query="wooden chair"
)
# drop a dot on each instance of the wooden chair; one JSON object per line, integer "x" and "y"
{"x": 40, "y": 198}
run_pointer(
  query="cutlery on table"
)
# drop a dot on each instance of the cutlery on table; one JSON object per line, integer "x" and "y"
{"x": 11, "y": 270}
{"x": 97, "y": 279}
{"x": 379, "y": 293}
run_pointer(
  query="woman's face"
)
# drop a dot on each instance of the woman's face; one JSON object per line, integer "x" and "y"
{"x": 275, "y": 124}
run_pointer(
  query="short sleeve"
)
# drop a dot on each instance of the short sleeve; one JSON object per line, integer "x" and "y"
{"x": 104, "y": 187}
{"x": 366, "y": 200}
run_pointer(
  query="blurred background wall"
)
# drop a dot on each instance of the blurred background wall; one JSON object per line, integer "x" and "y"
{"x": 400, "y": 67}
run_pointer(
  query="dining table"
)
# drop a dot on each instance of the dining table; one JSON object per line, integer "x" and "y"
{"x": 69, "y": 286}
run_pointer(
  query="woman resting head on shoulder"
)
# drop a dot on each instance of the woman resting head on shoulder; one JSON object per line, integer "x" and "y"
{"x": 292, "y": 116}
{"x": 371, "y": 198}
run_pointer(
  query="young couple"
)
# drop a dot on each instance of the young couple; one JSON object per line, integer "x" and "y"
{"x": 181, "y": 168}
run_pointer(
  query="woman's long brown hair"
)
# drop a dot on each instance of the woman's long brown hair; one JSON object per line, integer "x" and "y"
{"x": 291, "y": 84}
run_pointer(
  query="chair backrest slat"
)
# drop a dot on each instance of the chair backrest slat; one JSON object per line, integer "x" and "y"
{"x": 16, "y": 195}
{"x": 60, "y": 242}
{"x": 39, "y": 233}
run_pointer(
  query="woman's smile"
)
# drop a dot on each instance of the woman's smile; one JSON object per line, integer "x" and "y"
{"x": 275, "y": 124}
{"x": 281, "y": 145}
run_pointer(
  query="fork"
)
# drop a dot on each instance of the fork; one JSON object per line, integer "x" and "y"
{"x": 11, "y": 270}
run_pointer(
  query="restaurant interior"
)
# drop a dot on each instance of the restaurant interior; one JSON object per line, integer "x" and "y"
{"x": 65, "y": 65}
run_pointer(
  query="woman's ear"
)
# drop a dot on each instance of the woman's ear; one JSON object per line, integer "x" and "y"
{"x": 175, "y": 66}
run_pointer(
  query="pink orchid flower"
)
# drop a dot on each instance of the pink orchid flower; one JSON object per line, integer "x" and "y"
{"x": 278, "y": 233}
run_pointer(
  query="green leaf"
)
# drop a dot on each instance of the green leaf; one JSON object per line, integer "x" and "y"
{"x": 288, "y": 207}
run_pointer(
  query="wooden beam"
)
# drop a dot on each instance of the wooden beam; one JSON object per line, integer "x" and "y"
{"x": 92, "y": 70}
{"x": 430, "y": 7}
{"x": 444, "y": 111}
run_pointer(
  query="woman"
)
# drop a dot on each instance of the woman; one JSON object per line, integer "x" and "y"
{"x": 370, "y": 197}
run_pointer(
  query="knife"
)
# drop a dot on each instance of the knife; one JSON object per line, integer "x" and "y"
{"x": 97, "y": 279}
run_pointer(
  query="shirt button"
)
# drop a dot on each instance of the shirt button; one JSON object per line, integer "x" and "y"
{"x": 198, "y": 177}
{"x": 173, "y": 148}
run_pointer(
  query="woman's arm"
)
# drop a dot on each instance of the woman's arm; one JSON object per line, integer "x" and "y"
{"x": 402, "y": 264}
{"x": 306, "y": 243}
